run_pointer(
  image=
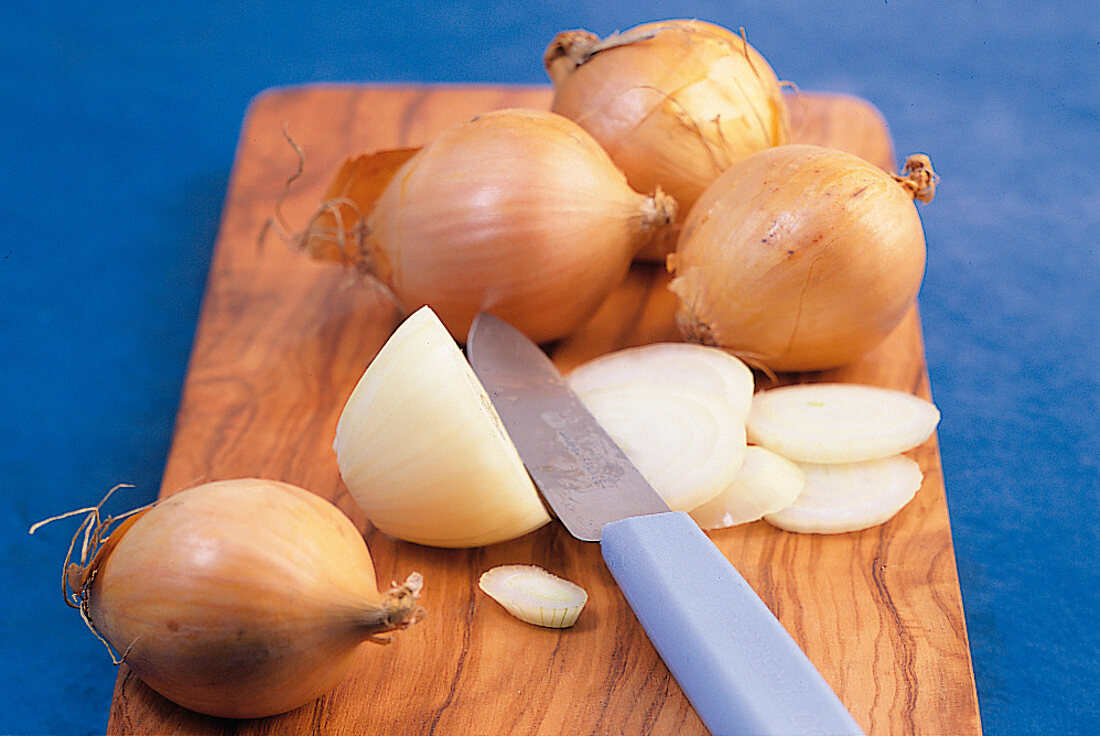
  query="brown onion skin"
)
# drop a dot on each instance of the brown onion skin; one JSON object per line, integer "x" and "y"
{"x": 225, "y": 599}
{"x": 518, "y": 212}
{"x": 798, "y": 258}
{"x": 673, "y": 110}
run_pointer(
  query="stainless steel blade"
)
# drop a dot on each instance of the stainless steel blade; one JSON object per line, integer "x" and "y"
{"x": 583, "y": 475}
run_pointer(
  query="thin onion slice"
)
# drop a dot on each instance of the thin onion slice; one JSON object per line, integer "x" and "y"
{"x": 424, "y": 453}
{"x": 688, "y": 443}
{"x": 839, "y": 422}
{"x": 534, "y": 595}
{"x": 700, "y": 366}
{"x": 766, "y": 483}
{"x": 851, "y": 496}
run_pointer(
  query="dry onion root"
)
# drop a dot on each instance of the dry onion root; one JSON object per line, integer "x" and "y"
{"x": 674, "y": 103}
{"x": 801, "y": 258}
{"x": 518, "y": 212}
{"x": 241, "y": 598}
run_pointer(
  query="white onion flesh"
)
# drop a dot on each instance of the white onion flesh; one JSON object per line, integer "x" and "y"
{"x": 703, "y": 367}
{"x": 848, "y": 497}
{"x": 688, "y": 443}
{"x": 839, "y": 422}
{"x": 766, "y": 483}
{"x": 534, "y": 595}
{"x": 424, "y": 453}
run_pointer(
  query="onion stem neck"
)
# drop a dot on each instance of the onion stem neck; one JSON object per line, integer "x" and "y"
{"x": 918, "y": 178}
{"x": 400, "y": 609}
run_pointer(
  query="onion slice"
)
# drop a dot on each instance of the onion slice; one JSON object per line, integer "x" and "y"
{"x": 534, "y": 595}
{"x": 424, "y": 453}
{"x": 688, "y": 443}
{"x": 701, "y": 366}
{"x": 849, "y": 497}
{"x": 766, "y": 483}
{"x": 839, "y": 422}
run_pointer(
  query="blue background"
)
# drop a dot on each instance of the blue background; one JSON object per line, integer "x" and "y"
{"x": 119, "y": 123}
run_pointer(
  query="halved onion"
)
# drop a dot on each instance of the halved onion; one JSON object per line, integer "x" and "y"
{"x": 766, "y": 483}
{"x": 424, "y": 453}
{"x": 849, "y": 497}
{"x": 839, "y": 422}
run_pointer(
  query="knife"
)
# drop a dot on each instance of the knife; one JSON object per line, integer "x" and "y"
{"x": 737, "y": 665}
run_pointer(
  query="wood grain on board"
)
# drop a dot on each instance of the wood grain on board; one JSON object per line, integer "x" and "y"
{"x": 281, "y": 342}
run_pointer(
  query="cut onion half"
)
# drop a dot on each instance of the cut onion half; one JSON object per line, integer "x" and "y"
{"x": 848, "y": 497}
{"x": 765, "y": 484}
{"x": 688, "y": 443}
{"x": 839, "y": 422}
{"x": 534, "y": 595}
{"x": 700, "y": 366}
{"x": 424, "y": 453}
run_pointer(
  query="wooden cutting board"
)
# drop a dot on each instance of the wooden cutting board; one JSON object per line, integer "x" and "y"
{"x": 281, "y": 342}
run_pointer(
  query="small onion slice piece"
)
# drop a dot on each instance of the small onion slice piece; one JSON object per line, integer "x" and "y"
{"x": 766, "y": 483}
{"x": 848, "y": 497}
{"x": 701, "y": 366}
{"x": 688, "y": 443}
{"x": 839, "y": 422}
{"x": 424, "y": 453}
{"x": 534, "y": 595}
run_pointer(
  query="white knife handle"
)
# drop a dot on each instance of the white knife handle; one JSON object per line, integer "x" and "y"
{"x": 735, "y": 662}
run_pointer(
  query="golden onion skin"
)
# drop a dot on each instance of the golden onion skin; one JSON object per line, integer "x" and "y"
{"x": 675, "y": 102}
{"x": 798, "y": 258}
{"x": 518, "y": 212}
{"x": 240, "y": 599}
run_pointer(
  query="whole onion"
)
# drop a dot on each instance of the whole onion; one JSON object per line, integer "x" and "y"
{"x": 674, "y": 103}
{"x": 517, "y": 212}
{"x": 240, "y": 598}
{"x": 801, "y": 258}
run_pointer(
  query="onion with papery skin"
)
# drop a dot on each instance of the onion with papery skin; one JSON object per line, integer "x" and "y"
{"x": 801, "y": 258}
{"x": 517, "y": 212}
{"x": 241, "y": 598}
{"x": 674, "y": 103}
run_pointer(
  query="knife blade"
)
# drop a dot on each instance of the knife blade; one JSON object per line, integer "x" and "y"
{"x": 734, "y": 661}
